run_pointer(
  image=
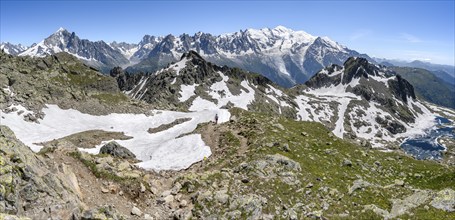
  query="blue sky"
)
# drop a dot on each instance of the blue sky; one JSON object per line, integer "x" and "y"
{"x": 406, "y": 30}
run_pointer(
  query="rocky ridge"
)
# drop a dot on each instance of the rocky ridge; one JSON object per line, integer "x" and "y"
{"x": 59, "y": 79}
{"x": 358, "y": 100}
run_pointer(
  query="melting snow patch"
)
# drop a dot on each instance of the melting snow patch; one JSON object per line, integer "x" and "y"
{"x": 179, "y": 65}
{"x": 158, "y": 151}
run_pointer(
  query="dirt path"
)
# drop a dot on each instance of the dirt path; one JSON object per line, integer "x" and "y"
{"x": 212, "y": 134}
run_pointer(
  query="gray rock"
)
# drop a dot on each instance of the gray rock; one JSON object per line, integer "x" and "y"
{"x": 136, "y": 211}
{"x": 347, "y": 163}
{"x": 116, "y": 150}
{"x": 445, "y": 200}
{"x": 358, "y": 184}
{"x": 221, "y": 196}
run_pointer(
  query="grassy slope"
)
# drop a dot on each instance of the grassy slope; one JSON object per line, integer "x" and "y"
{"x": 320, "y": 156}
{"x": 428, "y": 86}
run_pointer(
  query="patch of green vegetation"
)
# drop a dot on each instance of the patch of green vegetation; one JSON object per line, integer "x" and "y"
{"x": 92, "y": 166}
{"x": 110, "y": 98}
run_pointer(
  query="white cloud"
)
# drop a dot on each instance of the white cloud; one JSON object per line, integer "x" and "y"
{"x": 410, "y": 38}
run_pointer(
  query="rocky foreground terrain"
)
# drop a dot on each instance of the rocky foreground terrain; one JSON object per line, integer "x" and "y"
{"x": 262, "y": 167}
{"x": 263, "y": 164}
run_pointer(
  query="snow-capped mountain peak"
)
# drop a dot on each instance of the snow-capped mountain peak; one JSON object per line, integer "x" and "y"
{"x": 12, "y": 49}
{"x": 61, "y": 29}
{"x": 97, "y": 54}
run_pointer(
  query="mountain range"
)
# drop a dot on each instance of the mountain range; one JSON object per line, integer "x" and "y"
{"x": 285, "y": 56}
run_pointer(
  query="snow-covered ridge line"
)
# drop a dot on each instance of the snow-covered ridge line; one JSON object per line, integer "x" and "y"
{"x": 158, "y": 151}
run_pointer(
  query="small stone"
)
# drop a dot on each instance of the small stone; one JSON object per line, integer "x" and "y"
{"x": 104, "y": 190}
{"x": 245, "y": 180}
{"x": 154, "y": 190}
{"x": 304, "y": 134}
{"x": 347, "y": 163}
{"x": 183, "y": 203}
{"x": 309, "y": 185}
{"x": 399, "y": 182}
{"x": 148, "y": 217}
{"x": 168, "y": 199}
{"x": 165, "y": 193}
{"x": 286, "y": 148}
{"x": 136, "y": 211}
{"x": 142, "y": 188}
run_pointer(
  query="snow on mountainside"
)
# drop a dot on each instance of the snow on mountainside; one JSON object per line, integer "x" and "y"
{"x": 364, "y": 100}
{"x": 358, "y": 100}
{"x": 97, "y": 54}
{"x": 194, "y": 84}
{"x": 283, "y": 55}
{"x": 168, "y": 148}
{"x": 12, "y": 48}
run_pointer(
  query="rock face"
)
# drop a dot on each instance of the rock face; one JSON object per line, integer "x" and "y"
{"x": 116, "y": 150}
{"x": 29, "y": 187}
{"x": 96, "y": 54}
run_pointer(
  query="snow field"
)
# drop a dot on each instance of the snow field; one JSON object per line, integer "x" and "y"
{"x": 158, "y": 151}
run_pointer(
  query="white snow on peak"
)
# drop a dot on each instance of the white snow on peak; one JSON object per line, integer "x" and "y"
{"x": 223, "y": 95}
{"x": 61, "y": 29}
{"x": 334, "y": 44}
{"x": 166, "y": 150}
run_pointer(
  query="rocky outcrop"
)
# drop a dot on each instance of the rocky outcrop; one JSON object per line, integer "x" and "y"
{"x": 445, "y": 200}
{"x": 31, "y": 187}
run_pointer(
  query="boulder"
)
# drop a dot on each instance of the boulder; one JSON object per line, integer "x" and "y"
{"x": 116, "y": 150}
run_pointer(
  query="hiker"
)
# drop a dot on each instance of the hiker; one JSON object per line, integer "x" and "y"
{"x": 216, "y": 119}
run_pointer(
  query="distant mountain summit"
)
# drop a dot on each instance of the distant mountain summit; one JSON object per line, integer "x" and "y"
{"x": 12, "y": 48}
{"x": 97, "y": 54}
